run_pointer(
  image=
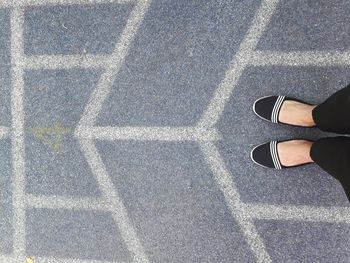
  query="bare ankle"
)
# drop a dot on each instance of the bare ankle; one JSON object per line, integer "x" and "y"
{"x": 307, "y": 145}
{"x": 309, "y": 119}
{"x": 295, "y": 152}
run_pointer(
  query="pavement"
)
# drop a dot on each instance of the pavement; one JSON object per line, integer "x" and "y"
{"x": 126, "y": 129}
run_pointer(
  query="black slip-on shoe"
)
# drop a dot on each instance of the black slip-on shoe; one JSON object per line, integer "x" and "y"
{"x": 266, "y": 155}
{"x": 268, "y": 108}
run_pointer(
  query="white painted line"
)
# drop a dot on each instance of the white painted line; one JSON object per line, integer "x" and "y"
{"x": 25, "y": 3}
{"x": 238, "y": 64}
{"x": 4, "y": 132}
{"x": 232, "y": 197}
{"x": 60, "y": 202}
{"x": 297, "y": 58}
{"x": 298, "y": 213}
{"x": 18, "y": 152}
{"x": 66, "y": 61}
{"x": 8, "y": 259}
{"x": 148, "y": 133}
{"x": 109, "y": 192}
{"x": 107, "y": 79}
{"x": 68, "y": 260}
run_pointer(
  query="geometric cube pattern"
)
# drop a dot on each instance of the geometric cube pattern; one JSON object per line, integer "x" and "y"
{"x": 204, "y": 134}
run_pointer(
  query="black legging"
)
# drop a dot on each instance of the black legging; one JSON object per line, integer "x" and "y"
{"x": 333, "y": 154}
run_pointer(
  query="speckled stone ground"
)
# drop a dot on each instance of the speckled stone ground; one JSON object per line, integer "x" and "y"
{"x": 126, "y": 129}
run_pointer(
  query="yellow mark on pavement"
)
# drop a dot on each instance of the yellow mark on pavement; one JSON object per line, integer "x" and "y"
{"x": 52, "y": 136}
{"x": 30, "y": 260}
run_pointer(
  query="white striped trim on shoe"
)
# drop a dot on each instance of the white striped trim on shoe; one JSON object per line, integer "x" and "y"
{"x": 274, "y": 155}
{"x": 276, "y": 108}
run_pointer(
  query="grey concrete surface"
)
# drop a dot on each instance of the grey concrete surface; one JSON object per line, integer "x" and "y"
{"x": 126, "y": 129}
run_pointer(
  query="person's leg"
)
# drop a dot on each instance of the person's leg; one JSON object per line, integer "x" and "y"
{"x": 329, "y": 116}
{"x": 333, "y": 115}
{"x": 333, "y": 156}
